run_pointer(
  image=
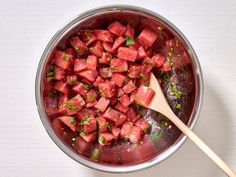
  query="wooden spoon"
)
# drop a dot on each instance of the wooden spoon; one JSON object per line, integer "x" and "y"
{"x": 160, "y": 105}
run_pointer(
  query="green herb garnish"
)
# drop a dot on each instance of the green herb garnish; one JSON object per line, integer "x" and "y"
{"x": 53, "y": 93}
{"x": 129, "y": 41}
{"x": 155, "y": 135}
{"x": 85, "y": 86}
{"x": 84, "y": 121}
{"x": 141, "y": 75}
{"x": 50, "y": 73}
{"x": 72, "y": 120}
{"x": 70, "y": 105}
{"x": 178, "y": 106}
{"x": 176, "y": 92}
{"x": 66, "y": 57}
{"x": 73, "y": 81}
{"x": 90, "y": 97}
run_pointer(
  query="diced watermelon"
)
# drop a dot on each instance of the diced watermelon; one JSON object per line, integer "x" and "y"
{"x": 90, "y": 125}
{"x": 115, "y": 131}
{"x": 121, "y": 108}
{"x": 121, "y": 119}
{"x": 105, "y": 58}
{"x": 85, "y": 113}
{"x": 82, "y": 146}
{"x": 147, "y": 37}
{"x": 166, "y": 66}
{"x": 62, "y": 59}
{"x": 144, "y": 95}
{"x": 147, "y": 65}
{"x": 59, "y": 73}
{"x": 119, "y": 40}
{"x": 131, "y": 114}
{"x": 91, "y": 62}
{"x": 71, "y": 107}
{"x": 61, "y": 87}
{"x": 129, "y": 87}
{"x": 107, "y": 46}
{"x": 81, "y": 88}
{"x": 69, "y": 121}
{"x": 80, "y": 99}
{"x": 144, "y": 79}
{"x": 118, "y": 79}
{"x": 136, "y": 119}
{"x": 103, "y": 125}
{"x": 51, "y": 107}
{"x": 89, "y": 137}
{"x": 91, "y": 96}
{"x": 88, "y": 74}
{"x": 118, "y": 65}
{"x": 107, "y": 90}
{"x": 117, "y": 28}
{"x": 87, "y": 36}
{"x": 124, "y": 100}
{"x": 102, "y": 104}
{"x": 127, "y": 53}
{"x": 135, "y": 134}
{"x": 78, "y": 45}
{"x": 134, "y": 70}
{"x": 126, "y": 129}
{"x": 71, "y": 80}
{"x": 105, "y": 72}
{"x": 132, "y": 96}
{"x": 111, "y": 114}
{"x": 143, "y": 124}
{"x": 70, "y": 51}
{"x": 80, "y": 64}
{"x": 98, "y": 81}
{"x": 113, "y": 101}
{"x": 62, "y": 99}
{"x": 120, "y": 92}
{"x": 129, "y": 31}
{"x": 104, "y": 35}
{"x": 158, "y": 60}
{"x": 105, "y": 138}
{"x": 141, "y": 53}
{"x": 96, "y": 49}
{"x": 91, "y": 104}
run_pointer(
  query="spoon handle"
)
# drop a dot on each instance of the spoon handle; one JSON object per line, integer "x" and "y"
{"x": 196, "y": 140}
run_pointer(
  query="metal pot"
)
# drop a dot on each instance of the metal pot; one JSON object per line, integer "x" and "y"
{"x": 95, "y": 17}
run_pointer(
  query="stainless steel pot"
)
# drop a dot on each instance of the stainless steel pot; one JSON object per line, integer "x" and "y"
{"x": 93, "y": 17}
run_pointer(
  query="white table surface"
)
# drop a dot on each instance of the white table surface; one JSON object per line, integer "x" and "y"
{"x": 26, "y": 26}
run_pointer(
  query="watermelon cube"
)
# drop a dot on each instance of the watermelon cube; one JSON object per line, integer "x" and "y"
{"x": 116, "y": 28}
{"x": 126, "y": 53}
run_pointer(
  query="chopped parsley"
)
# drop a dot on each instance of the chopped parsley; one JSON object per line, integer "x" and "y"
{"x": 50, "y": 73}
{"x": 70, "y": 105}
{"x": 66, "y": 57}
{"x": 176, "y": 92}
{"x": 73, "y": 81}
{"x": 155, "y": 135}
{"x": 141, "y": 75}
{"x": 72, "y": 120}
{"x": 178, "y": 106}
{"x": 84, "y": 121}
{"x": 85, "y": 86}
{"x": 90, "y": 97}
{"x": 53, "y": 93}
{"x": 129, "y": 41}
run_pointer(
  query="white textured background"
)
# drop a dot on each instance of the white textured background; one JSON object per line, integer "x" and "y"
{"x": 26, "y": 26}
